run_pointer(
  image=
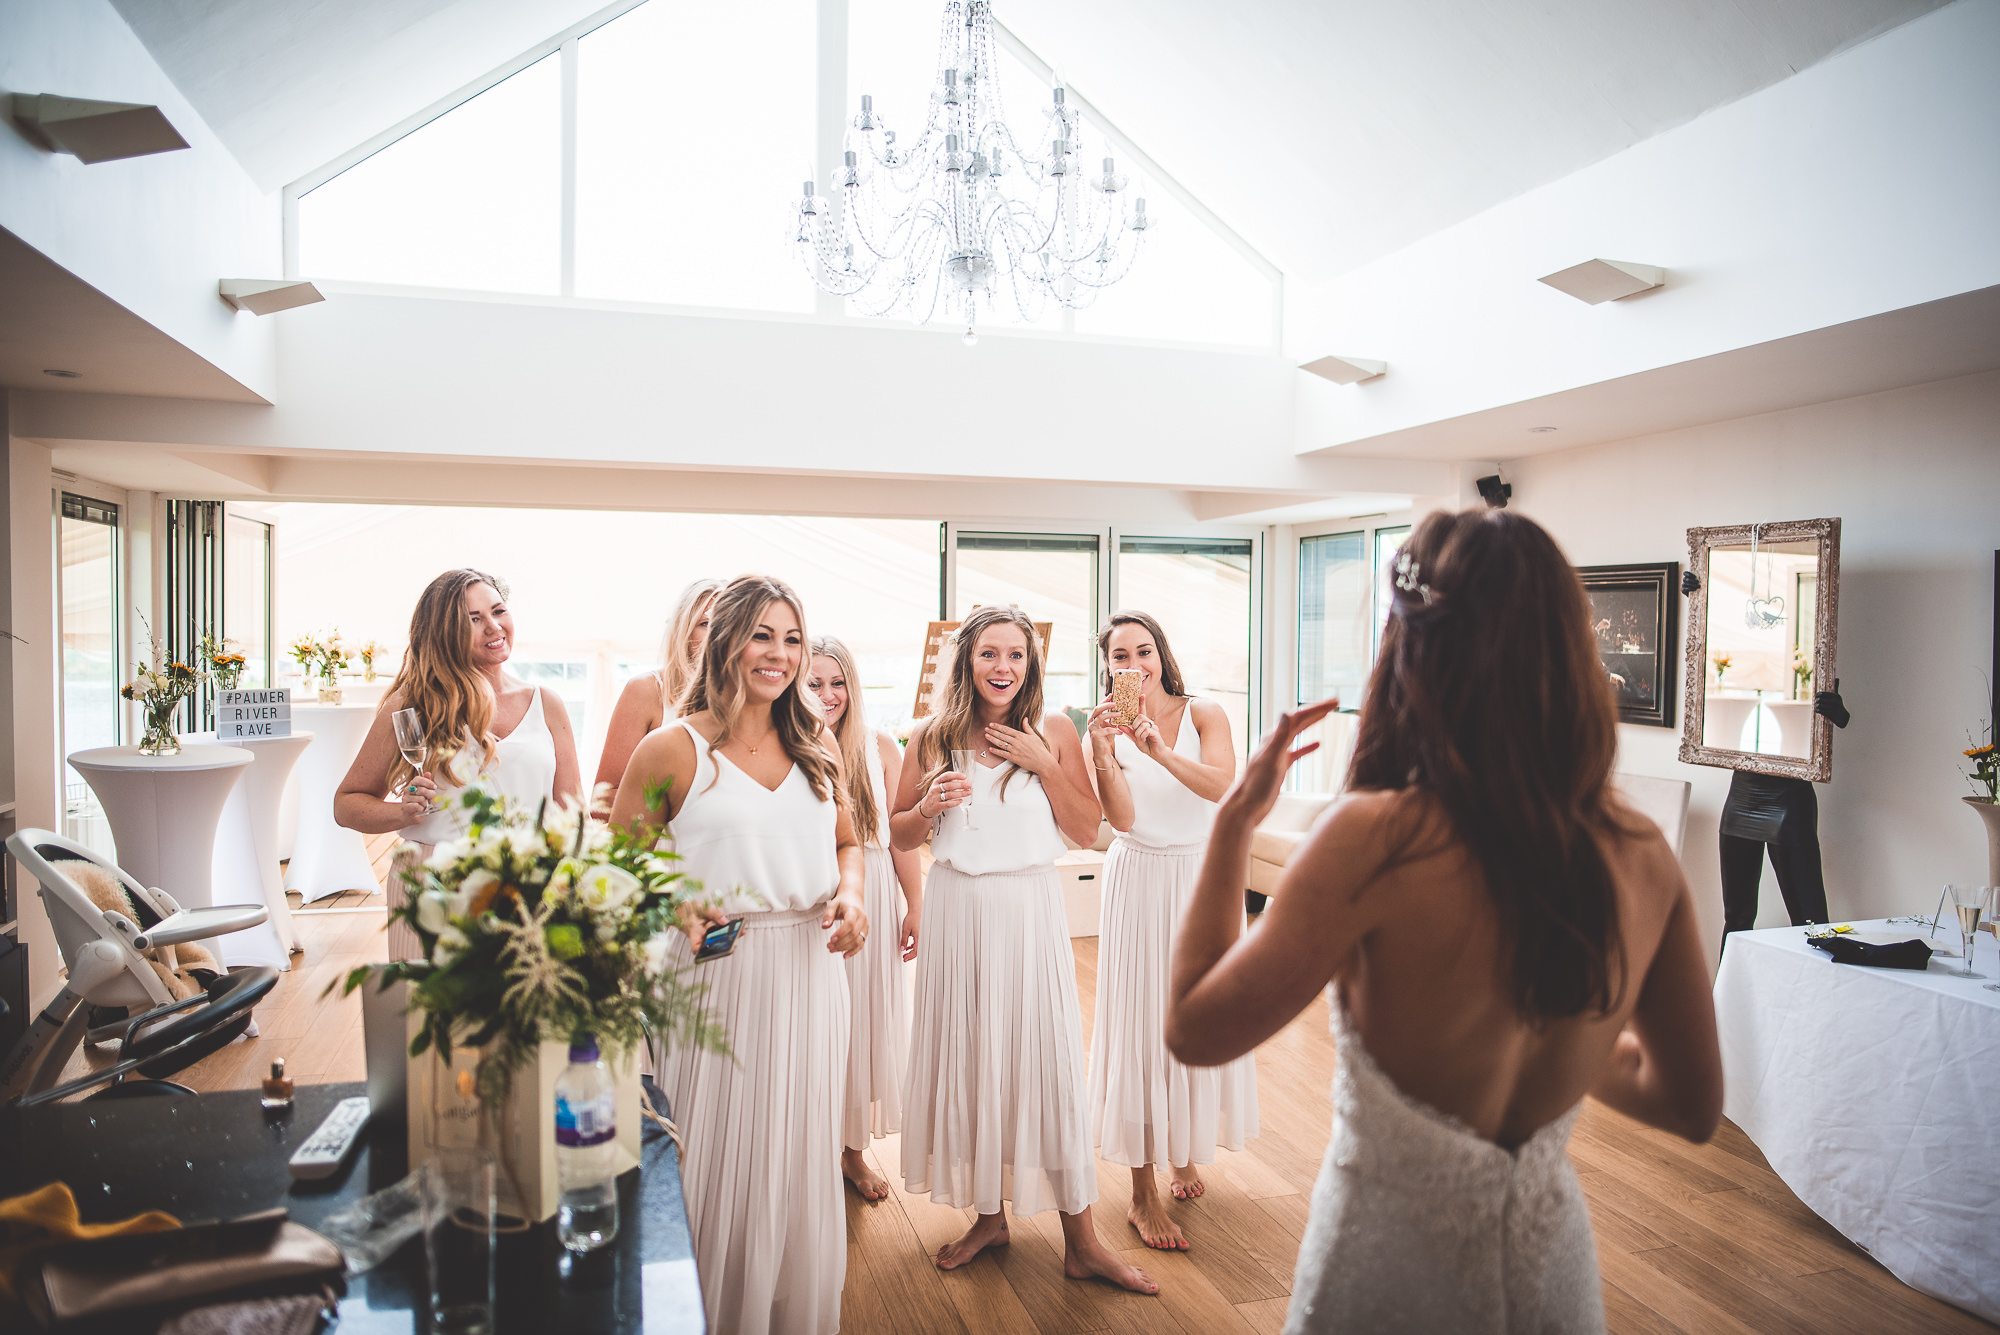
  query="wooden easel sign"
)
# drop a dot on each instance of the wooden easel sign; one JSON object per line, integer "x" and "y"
{"x": 937, "y": 660}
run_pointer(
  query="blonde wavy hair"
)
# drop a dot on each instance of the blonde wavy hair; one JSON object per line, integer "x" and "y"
{"x": 438, "y": 680}
{"x": 719, "y": 688}
{"x": 852, "y": 737}
{"x": 954, "y": 726}
{"x": 677, "y": 666}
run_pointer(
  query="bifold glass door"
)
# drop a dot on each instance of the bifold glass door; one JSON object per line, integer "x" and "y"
{"x": 88, "y": 604}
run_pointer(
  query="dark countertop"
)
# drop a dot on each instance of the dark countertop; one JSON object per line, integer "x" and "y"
{"x": 221, "y": 1155}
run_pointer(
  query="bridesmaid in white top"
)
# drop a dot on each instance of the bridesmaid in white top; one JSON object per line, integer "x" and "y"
{"x": 754, "y": 803}
{"x": 481, "y": 722}
{"x": 648, "y": 701}
{"x": 994, "y": 1108}
{"x": 1159, "y": 780}
{"x": 875, "y": 978}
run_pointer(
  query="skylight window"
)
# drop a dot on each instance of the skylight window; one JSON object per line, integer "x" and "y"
{"x": 656, "y": 159}
{"x": 472, "y": 200}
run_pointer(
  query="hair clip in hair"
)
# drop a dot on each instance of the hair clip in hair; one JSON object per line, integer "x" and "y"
{"x": 500, "y": 587}
{"x": 1408, "y": 577}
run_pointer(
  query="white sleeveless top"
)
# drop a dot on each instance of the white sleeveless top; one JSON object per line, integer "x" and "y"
{"x": 760, "y": 850}
{"x": 523, "y": 770}
{"x": 878, "y": 780}
{"x": 1017, "y": 834}
{"x": 1166, "y": 813}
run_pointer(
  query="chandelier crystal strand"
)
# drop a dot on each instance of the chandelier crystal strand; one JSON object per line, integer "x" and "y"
{"x": 963, "y": 213}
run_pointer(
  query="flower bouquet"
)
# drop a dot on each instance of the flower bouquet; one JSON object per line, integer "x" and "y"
{"x": 1722, "y": 662}
{"x": 1802, "y": 669}
{"x": 1985, "y": 776}
{"x": 536, "y": 927}
{"x": 223, "y": 665}
{"x": 322, "y": 658}
{"x": 369, "y": 652}
{"x": 159, "y": 690}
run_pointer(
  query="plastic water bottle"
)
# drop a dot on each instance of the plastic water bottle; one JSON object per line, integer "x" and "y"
{"x": 586, "y": 1142}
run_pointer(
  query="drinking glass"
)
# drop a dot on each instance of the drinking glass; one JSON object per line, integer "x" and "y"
{"x": 460, "y": 1202}
{"x": 1970, "y": 901}
{"x": 410, "y": 738}
{"x": 967, "y": 764}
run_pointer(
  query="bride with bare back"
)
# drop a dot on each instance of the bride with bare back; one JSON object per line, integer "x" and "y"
{"x": 994, "y": 1101}
{"x": 1502, "y": 934}
{"x": 749, "y": 785}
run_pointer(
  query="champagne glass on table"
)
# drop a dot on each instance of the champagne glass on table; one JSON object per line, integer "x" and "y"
{"x": 1970, "y": 901}
{"x": 410, "y": 741}
{"x": 965, "y": 762}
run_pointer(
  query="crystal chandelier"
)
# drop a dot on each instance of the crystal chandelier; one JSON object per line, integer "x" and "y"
{"x": 964, "y": 213}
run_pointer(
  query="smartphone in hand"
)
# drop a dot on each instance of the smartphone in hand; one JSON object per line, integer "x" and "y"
{"x": 720, "y": 940}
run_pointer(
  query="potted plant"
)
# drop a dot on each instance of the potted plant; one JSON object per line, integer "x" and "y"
{"x": 1985, "y": 779}
{"x": 535, "y": 927}
{"x": 158, "y": 690}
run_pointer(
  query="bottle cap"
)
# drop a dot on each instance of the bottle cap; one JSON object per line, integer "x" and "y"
{"x": 278, "y": 1069}
{"x": 583, "y": 1048}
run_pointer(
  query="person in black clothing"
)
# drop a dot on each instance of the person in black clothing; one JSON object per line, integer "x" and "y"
{"x": 1781, "y": 814}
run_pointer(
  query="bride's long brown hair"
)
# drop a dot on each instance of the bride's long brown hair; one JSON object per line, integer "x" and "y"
{"x": 719, "y": 689}
{"x": 438, "y": 680}
{"x": 1490, "y": 699}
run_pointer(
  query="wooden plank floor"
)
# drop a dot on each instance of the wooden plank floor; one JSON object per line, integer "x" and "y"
{"x": 1690, "y": 1238}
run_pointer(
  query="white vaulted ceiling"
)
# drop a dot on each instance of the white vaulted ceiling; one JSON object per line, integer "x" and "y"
{"x": 1326, "y": 132}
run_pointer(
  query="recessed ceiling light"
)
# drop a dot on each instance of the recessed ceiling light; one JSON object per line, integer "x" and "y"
{"x": 64, "y": 375}
{"x": 1540, "y": 430}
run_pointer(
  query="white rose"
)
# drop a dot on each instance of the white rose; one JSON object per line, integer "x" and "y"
{"x": 607, "y": 932}
{"x": 527, "y": 845}
{"x": 656, "y": 950}
{"x": 449, "y": 943}
{"x": 606, "y": 888}
{"x": 433, "y": 914}
{"x": 445, "y": 854}
{"x": 469, "y": 888}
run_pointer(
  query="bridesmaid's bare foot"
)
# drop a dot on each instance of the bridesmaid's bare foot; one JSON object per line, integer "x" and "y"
{"x": 1086, "y": 1257}
{"x": 989, "y": 1231}
{"x": 1149, "y": 1217}
{"x": 855, "y": 1167}
{"x": 1186, "y": 1183}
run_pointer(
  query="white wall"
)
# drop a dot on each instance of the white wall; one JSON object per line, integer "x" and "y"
{"x": 37, "y": 767}
{"x": 1913, "y": 474}
{"x": 1868, "y": 183}
{"x": 157, "y": 233}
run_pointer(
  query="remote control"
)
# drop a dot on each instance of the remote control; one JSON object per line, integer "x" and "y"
{"x": 324, "y": 1152}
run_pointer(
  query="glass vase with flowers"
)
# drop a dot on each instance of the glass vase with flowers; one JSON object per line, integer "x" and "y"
{"x": 158, "y": 690}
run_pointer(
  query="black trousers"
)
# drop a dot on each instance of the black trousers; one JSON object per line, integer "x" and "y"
{"x": 1781, "y": 816}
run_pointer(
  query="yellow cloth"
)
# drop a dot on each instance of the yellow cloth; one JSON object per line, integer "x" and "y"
{"x": 42, "y": 1219}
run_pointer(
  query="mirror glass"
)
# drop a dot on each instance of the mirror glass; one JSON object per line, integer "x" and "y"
{"x": 1760, "y": 673}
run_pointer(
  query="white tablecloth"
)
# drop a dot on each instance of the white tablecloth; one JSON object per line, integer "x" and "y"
{"x": 1875, "y": 1094}
{"x": 246, "y": 850}
{"x": 163, "y": 811}
{"x": 327, "y": 859}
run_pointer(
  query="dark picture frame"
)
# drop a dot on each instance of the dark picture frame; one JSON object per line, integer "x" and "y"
{"x": 1635, "y": 616}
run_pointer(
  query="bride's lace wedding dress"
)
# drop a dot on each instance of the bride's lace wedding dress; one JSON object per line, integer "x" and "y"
{"x": 1418, "y": 1224}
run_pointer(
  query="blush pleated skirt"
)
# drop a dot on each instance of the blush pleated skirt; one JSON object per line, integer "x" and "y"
{"x": 762, "y": 1172}
{"x": 994, "y": 1108}
{"x": 881, "y": 1005}
{"x": 1146, "y": 1107}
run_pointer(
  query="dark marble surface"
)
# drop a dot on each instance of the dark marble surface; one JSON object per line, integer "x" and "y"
{"x": 221, "y": 1155}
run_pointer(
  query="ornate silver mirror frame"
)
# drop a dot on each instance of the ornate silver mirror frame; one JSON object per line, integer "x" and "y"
{"x": 1825, "y": 535}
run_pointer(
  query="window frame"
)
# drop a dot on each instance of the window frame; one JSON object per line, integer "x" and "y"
{"x": 831, "y": 111}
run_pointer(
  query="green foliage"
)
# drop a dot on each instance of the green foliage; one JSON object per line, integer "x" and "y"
{"x": 535, "y": 929}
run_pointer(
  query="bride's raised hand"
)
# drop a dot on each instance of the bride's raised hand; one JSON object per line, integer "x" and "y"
{"x": 1256, "y": 790}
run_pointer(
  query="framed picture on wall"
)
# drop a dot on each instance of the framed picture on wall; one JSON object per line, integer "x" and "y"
{"x": 1635, "y": 615}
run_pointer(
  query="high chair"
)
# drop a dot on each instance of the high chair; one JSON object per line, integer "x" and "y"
{"x": 101, "y": 951}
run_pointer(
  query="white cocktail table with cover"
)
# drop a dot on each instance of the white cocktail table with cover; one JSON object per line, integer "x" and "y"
{"x": 326, "y": 858}
{"x": 163, "y": 812}
{"x": 1875, "y": 1094}
{"x": 246, "y": 850}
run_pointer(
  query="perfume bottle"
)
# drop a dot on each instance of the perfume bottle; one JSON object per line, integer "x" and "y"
{"x": 277, "y": 1089}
